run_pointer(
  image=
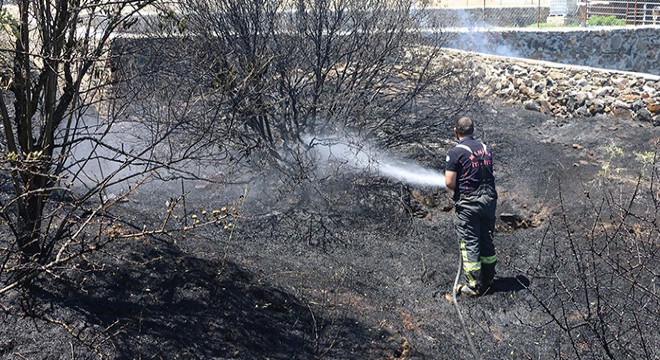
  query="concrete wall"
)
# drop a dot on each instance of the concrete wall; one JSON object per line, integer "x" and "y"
{"x": 634, "y": 49}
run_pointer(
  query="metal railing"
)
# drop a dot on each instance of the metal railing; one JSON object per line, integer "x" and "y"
{"x": 521, "y": 13}
{"x": 633, "y": 12}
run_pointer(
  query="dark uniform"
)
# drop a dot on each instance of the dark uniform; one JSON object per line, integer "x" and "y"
{"x": 476, "y": 201}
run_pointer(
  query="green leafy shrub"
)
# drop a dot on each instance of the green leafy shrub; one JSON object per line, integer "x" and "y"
{"x": 600, "y": 20}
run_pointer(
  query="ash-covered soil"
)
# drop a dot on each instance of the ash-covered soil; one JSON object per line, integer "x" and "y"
{"x": 358, "y": 269}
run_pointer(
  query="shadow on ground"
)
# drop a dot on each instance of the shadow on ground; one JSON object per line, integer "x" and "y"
{"x": 508, "y": 284}
{"x": 163, "y": 303}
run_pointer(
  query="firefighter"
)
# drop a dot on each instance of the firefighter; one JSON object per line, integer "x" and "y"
{"x": 469, "y": 174}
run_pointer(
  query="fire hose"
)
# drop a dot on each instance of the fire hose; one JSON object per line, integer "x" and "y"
{"x": 458, "y": 309}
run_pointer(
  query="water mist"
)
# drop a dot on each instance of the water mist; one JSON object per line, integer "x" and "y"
{"x": 357, "y": 156}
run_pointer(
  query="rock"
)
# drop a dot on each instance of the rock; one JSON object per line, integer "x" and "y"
{"x": 539, "y": 87}
{"x": 555, "y": 75}
{"x": 597, "y": 107}
{"x": 620, "y": 104}
{"x": 621, "y": 83}
{"x": 600, "y": 81}
{"x": 549, "y": 83}
{"x": 588, "y": 101}
{"x": 515, "y": 221}
{"x": 532, "y": 105}
{"x": 582, "y": 111}
{"x": 581, "y": 97}
{"x": 629, "y": 98}
{"x": 623, "y": 113}
{"x": 654, "y": 108}
{"x": 546, "y": 106}
{"x": 517, "y": 70}
{"x": 638, "y": 104}
{"x": 615, "y": 42}
{"x": 643, "y": 115}
{"x": 651, "y": 91}
{"x": 571, "y": 102}
{"x": 582, "y": 83}
{"x": 605, "y": 90}
{"x": 537, "y": 76}
{"x": 524, "y": 90}
{"x": 627, "y": 92}
{"x": 642, "y": 45}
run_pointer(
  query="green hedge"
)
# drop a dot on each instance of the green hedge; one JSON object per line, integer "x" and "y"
{"x": 600, "y": 20}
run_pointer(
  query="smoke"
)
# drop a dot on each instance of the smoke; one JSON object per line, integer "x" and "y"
{"x": 483, "y": 41}
{"x": 356, "y": 156}
{"x": 111, "y": 154}
{"x": 472, "y": 33}
{"x": 90, "y": 164}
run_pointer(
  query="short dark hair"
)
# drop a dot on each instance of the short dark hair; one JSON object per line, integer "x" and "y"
{"x": 465, "y": 126}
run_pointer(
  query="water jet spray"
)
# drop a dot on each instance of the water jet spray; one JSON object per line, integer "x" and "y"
{"x": 359, "y": 156}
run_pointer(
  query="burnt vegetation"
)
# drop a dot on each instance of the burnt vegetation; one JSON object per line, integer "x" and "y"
{"x": 601, "y": 269}
{"x": 161, "y": 195}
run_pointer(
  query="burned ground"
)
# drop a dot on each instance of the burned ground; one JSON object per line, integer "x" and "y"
{"x": 348, "y": 270}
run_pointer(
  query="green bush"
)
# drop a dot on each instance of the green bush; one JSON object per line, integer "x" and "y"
{"x": 600, "y": 20}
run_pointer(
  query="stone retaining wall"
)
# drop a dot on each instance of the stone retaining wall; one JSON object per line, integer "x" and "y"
{"x": 620, "y": 48}
{"x": 565, "y": 91}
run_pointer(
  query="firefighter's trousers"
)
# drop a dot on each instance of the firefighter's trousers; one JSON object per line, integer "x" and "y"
{"x": 475, "y": 224}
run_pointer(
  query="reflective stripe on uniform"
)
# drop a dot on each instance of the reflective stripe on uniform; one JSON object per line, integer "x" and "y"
{"x": 489, "y": 259}
{"x": 468, "y": 265}
{"x": 463, "y": 146}
{"x": 472, "y": 282}
{"x": 471, "y": 266}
